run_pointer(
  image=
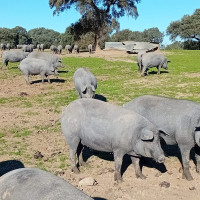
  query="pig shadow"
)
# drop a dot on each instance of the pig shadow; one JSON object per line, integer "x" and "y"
{"x": 148, "y": 162}
{"x": 100, "y": 97}
{"x": 9, "y": 165}
{"x": 51, "y": 80}
{"x": 174, "y": 151}
{"x": 98, "y": 198}
{"x": 62, "y": 71}
{"x": 155, "y": 72}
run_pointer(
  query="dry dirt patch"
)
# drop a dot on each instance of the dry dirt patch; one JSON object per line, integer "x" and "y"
{"x": 160, "y": 184}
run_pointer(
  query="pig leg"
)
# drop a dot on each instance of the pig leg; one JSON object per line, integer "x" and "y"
{"x": 80, "y": 155}
{"x": 118, "y": 157}
{"x": 7, "y": 64}
{"x": 42, "y": 76}
{"x": 138, "y": 171}
{"x": 197, "y": 156}
{"x": 143, "y": 71}
{"x": 27, "y": 79}
{"x": 158, "y": 69}
{"x": 73, "y": 150}
{"x": 48, "y": 79}
{"x": 185, "y": 153}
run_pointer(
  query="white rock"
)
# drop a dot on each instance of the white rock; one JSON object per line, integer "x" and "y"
{"x": 89, "y": 181}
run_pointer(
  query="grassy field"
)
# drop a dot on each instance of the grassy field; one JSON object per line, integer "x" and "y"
{"x": 28, "y": 111}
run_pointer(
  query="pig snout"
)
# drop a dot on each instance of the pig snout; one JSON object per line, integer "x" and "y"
{"x": 159, "y": 156}
{"x": 161, "y": 159}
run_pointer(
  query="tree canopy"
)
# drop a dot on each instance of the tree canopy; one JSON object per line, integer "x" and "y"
{"x": 148, "y": 35}
{"x": 186, "y": 28}
{"x": 99, "y": 17}
{"x": 14, "y": 36}
{"x": 45, "y": 36}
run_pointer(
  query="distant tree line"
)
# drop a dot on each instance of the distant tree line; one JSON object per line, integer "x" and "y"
{"x": 81, "y": 33}
{"x": 148, "y": 35}
{"x": 19, "y": 35}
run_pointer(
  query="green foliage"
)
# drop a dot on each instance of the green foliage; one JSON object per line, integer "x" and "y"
{"x": 186, "y": 28}
{"x": 148, "y": 35}
{"x": 20, "y": 35}
{"x": 44, "y": 36}
{"x": 6, "y": 36}
{"x": 67, "y": 38}
{"x": 153, "y": 35}
{"x": 174, "y": 45}
{"x": 15, "y": 36}
{"x": 99, "y": 17}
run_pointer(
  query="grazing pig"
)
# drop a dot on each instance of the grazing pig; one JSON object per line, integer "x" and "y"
{"x": 85, "y": 83}
{"x": 180, "y": 119}
{"x": 34, "y": 66}
{"x": 59, "y": 49}
{"x": 41, "y": 47}
{"x": 76, "y": 49}
{"x": 13, "y": 56}
{"x": 90, "y": 48}
{"x": 36, "y": 184}
{"x": 27, "y": 48}
{"x": 139, "y": 59}
{"x": 153, "y": 59}
{"x": 68, "y": 48}
{"x": 19, "y": 46}
{"x": 3, "y": 46}
{"x": 52, "y": 59}
{"x": 53, "y": 49}
{"x": 109, "y": 128}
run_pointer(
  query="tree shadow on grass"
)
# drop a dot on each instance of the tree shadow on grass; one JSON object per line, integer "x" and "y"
{"x": 9, "y": 165}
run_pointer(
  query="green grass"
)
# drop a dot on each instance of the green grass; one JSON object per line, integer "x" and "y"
{"x": 118, "y": 81}
{"x": 20, "y": 132}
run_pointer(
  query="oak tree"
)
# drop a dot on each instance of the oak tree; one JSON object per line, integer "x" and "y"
{"x": 97, "y": 16}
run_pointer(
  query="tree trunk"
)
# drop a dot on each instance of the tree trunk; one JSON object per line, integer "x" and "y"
{"x": 97, "y": 40}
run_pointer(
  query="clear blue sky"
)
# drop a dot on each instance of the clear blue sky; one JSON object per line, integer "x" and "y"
{"x": 37, "y": 13}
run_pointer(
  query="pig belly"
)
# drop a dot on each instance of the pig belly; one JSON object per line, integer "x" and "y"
{"x": 96, "y": 140}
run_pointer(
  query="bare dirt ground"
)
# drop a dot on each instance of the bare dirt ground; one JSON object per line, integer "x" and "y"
{"x": 163, "y": 181}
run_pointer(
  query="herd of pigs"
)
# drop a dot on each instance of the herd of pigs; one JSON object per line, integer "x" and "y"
{"x": 136, "y": 128}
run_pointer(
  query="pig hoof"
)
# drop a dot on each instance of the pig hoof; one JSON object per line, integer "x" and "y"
{"x": 118, "y": 178}
{"x": 187, "y": 177}
{"x": 120, "y": 181}
{"x": 82, "y": 163}
{"x": 141, "y": 176}
{"x": 75, "y": 170}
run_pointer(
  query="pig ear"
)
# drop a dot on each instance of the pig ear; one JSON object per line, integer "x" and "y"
{"x": 146, "y": 135}
{"x": 83, "y": 89}
{"x": 93, "y": 88}
{"x": 161, "y": 132}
